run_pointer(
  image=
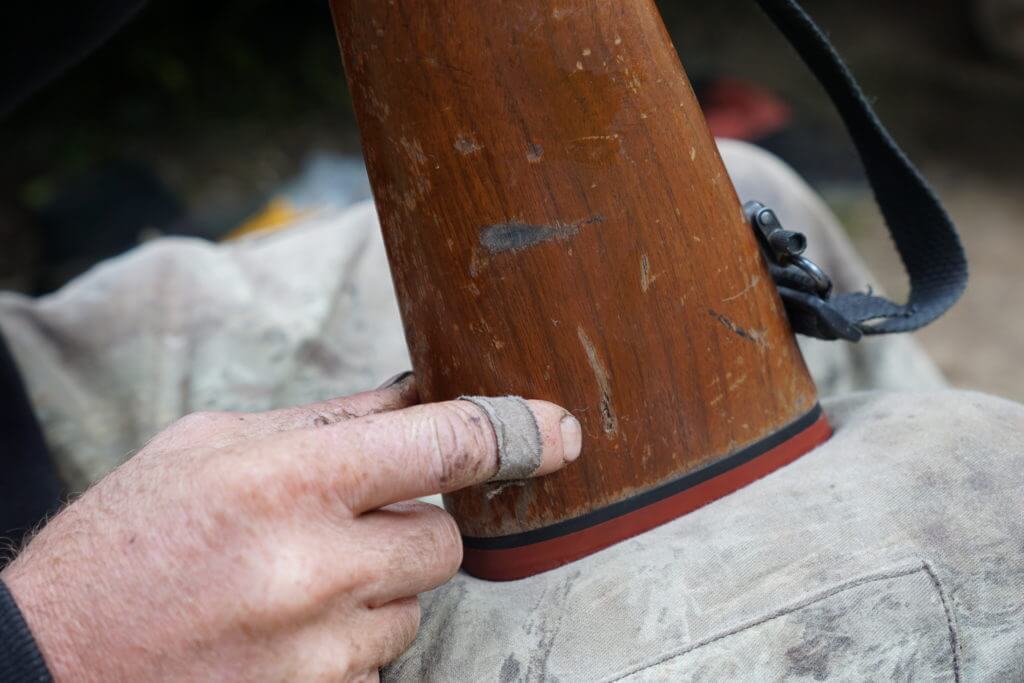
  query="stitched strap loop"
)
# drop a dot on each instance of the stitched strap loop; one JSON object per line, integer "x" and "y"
{"x": 922, "y": 231}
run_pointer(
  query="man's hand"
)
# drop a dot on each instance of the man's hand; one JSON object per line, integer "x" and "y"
{"x": 270, "y": 546}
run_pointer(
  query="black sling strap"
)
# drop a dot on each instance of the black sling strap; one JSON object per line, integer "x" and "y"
{"x": 922, "y": 231}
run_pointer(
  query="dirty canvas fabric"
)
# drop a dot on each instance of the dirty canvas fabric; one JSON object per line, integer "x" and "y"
{"x": 892, "y": 552}
{"x": 182, "y": 325}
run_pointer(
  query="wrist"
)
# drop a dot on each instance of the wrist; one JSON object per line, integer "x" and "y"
{"x": 20, "y": 656}
{"x": 44, "y": 614}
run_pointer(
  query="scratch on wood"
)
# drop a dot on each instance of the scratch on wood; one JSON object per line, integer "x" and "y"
{"x": 647, "y": 278}
{"x": 476, "y": 264}
{"x": 516, "y": 236}
{"x": 465, "y": 145}
{"x": 611, "y": 422}
{"x": 753, "y": 283}
{"x": 493, "y": 490}
{"x": 755, "y": 336}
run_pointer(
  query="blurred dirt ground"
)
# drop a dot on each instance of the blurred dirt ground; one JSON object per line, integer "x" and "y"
{"x": 223, "y": 102}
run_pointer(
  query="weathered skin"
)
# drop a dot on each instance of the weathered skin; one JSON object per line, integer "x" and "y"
{"x": 264, "y": 547}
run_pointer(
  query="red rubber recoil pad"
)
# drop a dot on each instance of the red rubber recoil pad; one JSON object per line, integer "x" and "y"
{"x": 517, "y": 556}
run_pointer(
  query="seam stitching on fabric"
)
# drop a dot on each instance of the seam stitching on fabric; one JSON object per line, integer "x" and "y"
{"x": 921, "y": 566}
{"x": 947, "y": 607}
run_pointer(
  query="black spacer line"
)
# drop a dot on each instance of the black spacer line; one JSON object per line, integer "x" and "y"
{"x": 646, "y": 498}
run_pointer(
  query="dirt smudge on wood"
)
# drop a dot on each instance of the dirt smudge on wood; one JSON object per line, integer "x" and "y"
{"x": 516, "y": 236}
{"x": 754, "y": 336}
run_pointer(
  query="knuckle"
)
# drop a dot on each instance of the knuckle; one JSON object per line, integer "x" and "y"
{"x": 430, "y": 547}
{"x": 290, "y": 582}
{"x": 406, "y": 623}
{"x": 461, "y": 441}
{"x": 203, "y": 420}
{"x": 446, "y": 541}
{"x": 255, "y": 484}
{"x": 393, "y": 631}
{"x": 324, "y": 416}
{"x": 279, "y": 477}
{"x": 192, "y": 429}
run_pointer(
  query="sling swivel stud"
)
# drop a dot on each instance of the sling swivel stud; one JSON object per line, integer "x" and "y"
{"x": 785, "y": 248}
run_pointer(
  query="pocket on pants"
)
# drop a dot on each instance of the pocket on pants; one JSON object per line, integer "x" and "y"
{"x": 890, "y": 625}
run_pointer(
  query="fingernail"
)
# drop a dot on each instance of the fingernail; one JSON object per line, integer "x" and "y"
{"x": 572, "y": 438}
{"x": 396, "y": 380}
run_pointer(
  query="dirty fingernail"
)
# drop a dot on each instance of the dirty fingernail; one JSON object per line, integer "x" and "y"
{"x": 572, "y": 438}
{"x": 396, "y": 380}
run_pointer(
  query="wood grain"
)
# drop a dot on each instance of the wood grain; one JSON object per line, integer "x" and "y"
{"x": 560, "y": 226}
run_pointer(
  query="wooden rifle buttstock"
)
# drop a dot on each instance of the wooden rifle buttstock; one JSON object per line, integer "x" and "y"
{"x": 560, "y": 226}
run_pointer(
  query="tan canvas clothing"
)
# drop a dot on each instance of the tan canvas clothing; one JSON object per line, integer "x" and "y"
{"x": 895, "y": 551}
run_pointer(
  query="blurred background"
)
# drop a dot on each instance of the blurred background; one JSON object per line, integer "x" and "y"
{"x": 193, "y": 118}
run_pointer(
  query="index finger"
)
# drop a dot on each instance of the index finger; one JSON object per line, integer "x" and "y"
{"x": 399, "y": 392}
{"x": 444, "y": 447}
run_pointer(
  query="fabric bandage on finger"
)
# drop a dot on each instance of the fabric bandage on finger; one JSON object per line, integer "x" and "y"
{"x": 518, "y": 435}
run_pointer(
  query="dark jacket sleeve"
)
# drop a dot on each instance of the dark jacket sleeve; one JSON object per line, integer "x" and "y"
{"x": 20, "y": 658}
{"x": 30, "y": 489}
